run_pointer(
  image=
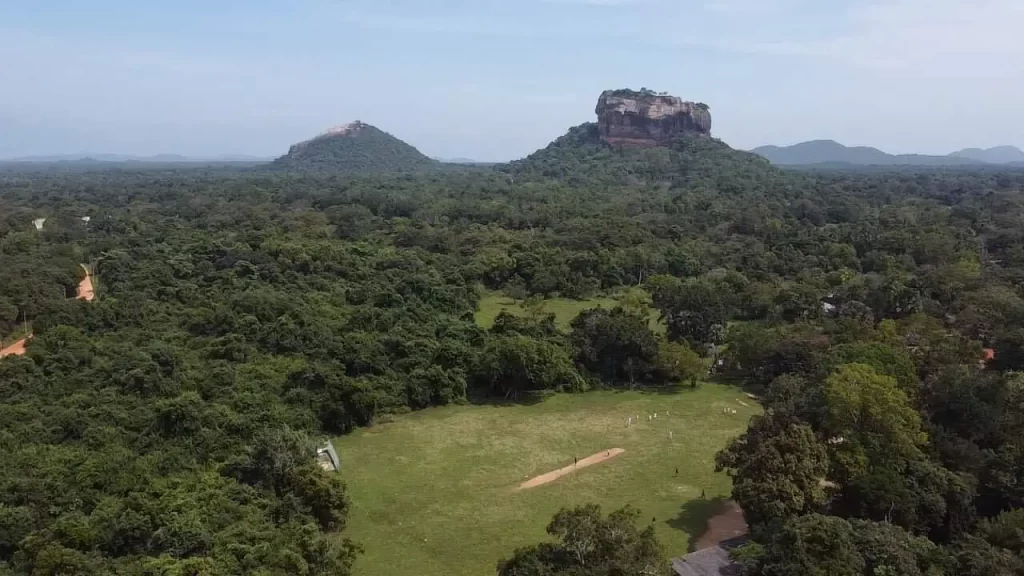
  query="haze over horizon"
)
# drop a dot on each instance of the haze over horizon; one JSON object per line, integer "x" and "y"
{"x": 495, "y": 80}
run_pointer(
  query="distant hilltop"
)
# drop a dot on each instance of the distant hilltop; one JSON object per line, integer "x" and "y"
{"x": 827, "y": 152}
{"x": 646, "y": 118}
{"x": 355, "y": 147}
{"x": 997, "y": 155}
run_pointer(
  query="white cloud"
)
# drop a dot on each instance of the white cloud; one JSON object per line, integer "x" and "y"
{"x": 932, "y": 37}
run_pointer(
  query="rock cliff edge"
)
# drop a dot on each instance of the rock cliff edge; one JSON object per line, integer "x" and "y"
{"x": 647, "y": 118}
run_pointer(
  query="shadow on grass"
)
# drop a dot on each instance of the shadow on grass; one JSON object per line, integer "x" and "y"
{"x": 694, "y": 515}
{"x": 682, "y": 387}
{"x": 482, "y": 398}
{"x": 644, "y": 388}
{"x": 669, "y": 390}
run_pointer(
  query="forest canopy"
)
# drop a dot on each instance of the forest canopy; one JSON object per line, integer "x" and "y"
{"x": 169, "y": 427}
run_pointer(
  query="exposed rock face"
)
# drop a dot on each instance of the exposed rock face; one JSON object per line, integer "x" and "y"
{"x": 352, "y": 128}
{"x": 646, "y": 118}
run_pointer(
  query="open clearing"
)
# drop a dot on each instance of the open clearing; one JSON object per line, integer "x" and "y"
{"x": 435, "y": 492}
{"x": 564, "y": 309}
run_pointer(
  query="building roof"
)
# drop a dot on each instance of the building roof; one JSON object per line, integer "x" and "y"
{"x": 713, "y": 561}
{"x": 328, "y": 449}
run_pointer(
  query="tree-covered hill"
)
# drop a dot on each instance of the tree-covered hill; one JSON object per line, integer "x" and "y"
{"x": 580, "y": 158}
{"x": 353, "y": 148}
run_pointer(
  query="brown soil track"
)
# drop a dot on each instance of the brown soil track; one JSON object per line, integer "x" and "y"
{"x": 556, "y": 474}
{"x": 724, "y": 526}
{"x": 16, "y": 349}
{"x": 85, "y": 291}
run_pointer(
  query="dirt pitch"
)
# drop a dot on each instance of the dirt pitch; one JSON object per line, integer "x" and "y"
{"x": 556, "y": 474}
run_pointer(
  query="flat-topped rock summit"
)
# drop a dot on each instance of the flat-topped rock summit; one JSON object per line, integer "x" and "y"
{"x": 646, "y": 118}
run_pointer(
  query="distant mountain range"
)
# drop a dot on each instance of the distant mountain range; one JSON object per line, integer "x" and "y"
{"x": 368, "y": 149}
{"x": 156, "y": 159}
{"x": 997, "y": 155}
{"x": 458, "y": 161}
{"x": 832, "y": 152}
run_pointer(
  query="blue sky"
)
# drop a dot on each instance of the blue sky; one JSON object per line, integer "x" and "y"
{"x": 497, "y": 79}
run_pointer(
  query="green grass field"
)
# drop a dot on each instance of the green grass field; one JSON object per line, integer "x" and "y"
{"x": 433, "y": 493}
{"x": 564, "y": 309}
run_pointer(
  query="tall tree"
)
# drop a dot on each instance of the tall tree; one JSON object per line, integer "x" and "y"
{"x": 779, "y": 469}
{"x": 590, "y": 544}
{"x": 811, "y": 545}
{"x": 870, "y": 420}
{"x": 678, "y": 363}
{"x": 615, "y": 344}
{"x": 513, "y": 364}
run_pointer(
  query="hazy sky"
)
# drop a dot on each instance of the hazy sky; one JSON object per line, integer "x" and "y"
{"x": 497, "y": 79}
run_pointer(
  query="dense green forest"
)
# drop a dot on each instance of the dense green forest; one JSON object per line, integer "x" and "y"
{"x": 168, "y": 427}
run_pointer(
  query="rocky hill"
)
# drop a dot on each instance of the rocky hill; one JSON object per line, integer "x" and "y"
{"x": 354, "y": 148}
{"x": 646, "y": 139}
{"x": 647, "y": 118}
{"x": 582, "y": 158}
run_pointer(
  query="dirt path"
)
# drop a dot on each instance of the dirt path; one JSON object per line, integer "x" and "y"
{"x": 556, "y": 474}
{"x": 16, "y": 349}
{"x": 85, "y": 291}
{"x": 724, "y": 526}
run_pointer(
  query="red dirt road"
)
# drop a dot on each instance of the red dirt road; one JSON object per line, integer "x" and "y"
{"x": 556, "y": 474}
{"x": 85, "y": 291}
{"x": 16, "y": 349}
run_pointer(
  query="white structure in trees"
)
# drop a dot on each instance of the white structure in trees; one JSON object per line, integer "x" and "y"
{"x": 327, "y": 457}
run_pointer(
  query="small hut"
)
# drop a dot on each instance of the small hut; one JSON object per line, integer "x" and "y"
{"x": 713, "y": 561}
{"x": 327, "y": 457}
